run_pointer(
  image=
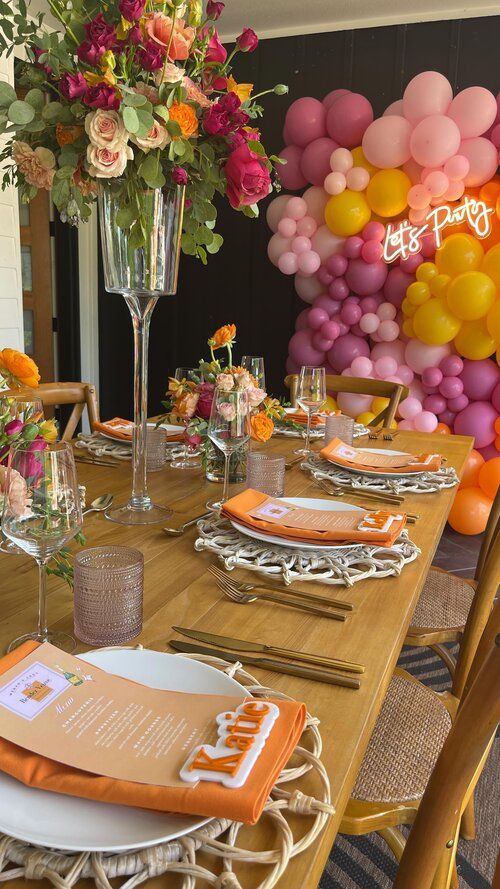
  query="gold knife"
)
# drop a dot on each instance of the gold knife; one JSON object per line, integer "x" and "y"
{"x": 262, "y": 648}
{"x": 267, "y": 664}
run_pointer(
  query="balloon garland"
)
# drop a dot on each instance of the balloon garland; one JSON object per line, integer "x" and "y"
{"x": 394, "y": 245}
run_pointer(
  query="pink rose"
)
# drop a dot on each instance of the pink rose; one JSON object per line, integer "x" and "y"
{"x": 243, "y": 380}
{"x": 204, "y": 406}
{"x": 72, "y": 86}
{"x": 159, "y": 27}
{"x": 247, "y": 41}
{"x": 105, "y": 129}
{"x": 255, "y": 396}
{"x": 102, "y": 96}
{"x": 36, "y": 166}
{"x": 170, "y": 73}
{"x": 227, "y": 411}
{"x": 215, "y": 51}
{"x": 104, "y": 163}
{"x": 194, "y": 94}
{"x": 17, "y": 494}
{"x": 157, "y": 137}
{"x": 151, "y": 93}
{"x": 225, "y": 382}
{"x": 247, "y": 177}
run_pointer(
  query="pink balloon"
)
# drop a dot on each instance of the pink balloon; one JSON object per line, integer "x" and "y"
{"x": 388, "y": 331}
{"x": 483, "y": 159}
{"x": 307, "y": 288}
{"x": 436, "y": 183}
{"x": 352, "y": 404}
{"x": 330, "y": 330}
{"x": 357, "y": 179}
{"x": 287, "y": 227}
{"x": 405, "y": 374}
{"x": 302, "y": 320}
{"x": 411, "y": 263}
{"x": 278, "y": 245}
{"x": 406, "y": 424}
{"x": 412, "y": 170}
{"x": 332, "y": 97}
{"x": 458, "y": 404}
{"x": 386, "y": 142}
{"x": 324, "y": 276}
{"x": 323, "y": 301}
{"x": 362, "y": 367}
{"x": 451, "y": 387}
{"x": 370, "y": 303}
{"x": 372, "y": 251}
{"x": 296, "y": 208}
{"x": 320, "y": 342}
{"x": 353, "y": 247}
{"x": 373, "y": 231}
{"x": 345, "y": 349}
{"x": 369, "y": 322}
{"x": 315, "y": 163}
{"x": 447, "y": 417}
{"x": 434, "y": 140}
{"x": 474, "y": 111}
{"x": 305, "y": 121}
{"x": 366, "y": 278}
{"x": 479, "y": 378}
{"x": 432, "y": 376}
{"x": 337, "y": 264}
{"x": 302, "y": 351}
{"x": 350, "y": 313}
{"x": 290, "y": 174}
{"x": 419, "y": 355}
{"x": 306, "y": 226}
{"x": 425, "y": 422}
{"x": 325, "y": 243}
{"x": 316, "y": 200}
{"x": 452, "y": 366}
{"x": 341, "y": 160}
{"x": 317, "y": 317}
{"x": 417, "y": 216}
{"x": 416, "y": 390}
{"x": 287, "y": 263}
{"x": 348, "y": 118}
{"x": 291, "y": 366}
{"x": 275, "y": 211}
{"x": 395, "y": 350}
{"x": 385, "y": 366}
{"x": 387, "y": 312}
{"x": 301, "y": 244}
{"x": 286, "y": 136}
{"x": 456, "y": 167}
{"x": 339, "y": 289}
{"x": 495, "y": 136}
{"x": 419, "y": 197}
{"x": 428, "y": 93}
{"x": 409, "y": 408}
{"x": 478, "y": 420}
{"x": 454, "y": 191}
{"x": 396, "y": 285}
{"x": 495, "y": 397}
{"x": 394, "y": 108}
{"x": 335, "y": 183}
{"x": 308, "y": 261}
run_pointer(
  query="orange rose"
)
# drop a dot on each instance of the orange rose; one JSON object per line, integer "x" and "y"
{"x": 261, "y": 427}
{"x": 224, "y": 336}
{"x": 185, "y": 116}
{"x": 18, "y": 368}
{"x": 67, "y": 135}
{"x": 185, "y": 406}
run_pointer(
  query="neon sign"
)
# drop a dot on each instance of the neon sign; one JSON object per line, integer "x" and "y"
{"x": 404, "y": 239}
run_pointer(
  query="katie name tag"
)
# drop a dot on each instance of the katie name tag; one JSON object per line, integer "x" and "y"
{"x": 242, "y": 734}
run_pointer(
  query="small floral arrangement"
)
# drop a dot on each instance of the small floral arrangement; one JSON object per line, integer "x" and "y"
{"x": 140, "y": 93}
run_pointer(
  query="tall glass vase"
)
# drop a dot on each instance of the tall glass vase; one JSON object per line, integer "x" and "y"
{"x": 141, "y": 274}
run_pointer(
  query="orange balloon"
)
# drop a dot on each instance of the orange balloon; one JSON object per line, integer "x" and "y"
{"x": 497, "y": 428}
{"x": 443, "y": 429}
{"x": 470, "y": 474}
{"x": 489, "y": 477}
{"x": 497, "y": 442}
{"x": 470, "y": 511}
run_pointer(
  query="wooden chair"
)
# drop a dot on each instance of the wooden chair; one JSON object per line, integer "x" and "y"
{"x": 395, "y": 392}
{"x": 77, "y": 394}
{"x": 446, "y": 600}
{"x": 409, "y": 734}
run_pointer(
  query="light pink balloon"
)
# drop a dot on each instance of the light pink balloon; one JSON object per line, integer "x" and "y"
{"x": 287, "y": 227}
{"x": 434, "y": 140}
{"x": 395, "y": 108}
{"x": 369, "y": 322}
{"x": 412, "y": 170}
{"x": 419, "y": 198}
{"x": 296, "y": 208}
{"x": 385, "y": 367}
{"x": 386, "y": 142}
{"x": 427, "y": 93}
{"x": 335, "y": 183}
{"x": 290, "y": 174}
{"x": 406, "y": 424}
{"x": 352, "y": 404}
{"x": 419, "y": 355}
{"x": 483, "y": 159}
{"x": 437, "y": 183}
{"x": 315, "y": 162}
{"x": 388, "y": 331}
{"x": 306, "y": 226}
{"x": 301, "y": 244}
{"x": 456, "y": 167}
{"x": 454, "y": 191}
{"x": 425, "y": 421}
{"x": 276, "y": 210}
{"x": 387, "y": 312}
{"x": 316, "y": 200}
{"x": 308, "y": 262}
{"x": 307, "y": 288}
{"x": 287, "y": 263}
{"x": 305, "y": 121}
{"x": 325, "y": 243}
{"x": 395, "y": 350}
{"x": 409, "y": 408}
{"x": 361, "y": 366}
{"x": 341, "y": 160}
{"x": 332, "y": 97}
{"x": 278, "y": 245}
{"x": 357, "y": 179}
{"x": 474, "y": 111}
{"x": 405, "y": 374}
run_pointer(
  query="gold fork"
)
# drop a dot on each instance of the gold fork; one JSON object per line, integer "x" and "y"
{"x": 277, "y": 588}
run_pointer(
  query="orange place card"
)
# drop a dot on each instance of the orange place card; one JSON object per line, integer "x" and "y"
{"x": 336, "y": 451}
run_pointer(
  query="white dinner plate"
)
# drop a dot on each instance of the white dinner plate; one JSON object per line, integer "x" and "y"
{"x": 293, "y": 410}
{"x": 67, "y": 822}
{"x": 308, "y": 503}
{"x": 361, "y": 471}
{"x": 168, "y": 427}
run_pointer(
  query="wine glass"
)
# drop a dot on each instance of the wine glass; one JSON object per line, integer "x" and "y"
{"x": 255, "y": 365}
{"x": 27, "y": 409}
{"x": 186, "y": 460}
{"x": 228, "y": 430}
{"x": 42, "y": 512}
{"x": 311, "y": 396}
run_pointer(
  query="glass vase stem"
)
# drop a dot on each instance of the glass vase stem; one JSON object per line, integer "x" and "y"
{"x": 225, "y": 489}
{"x": 141, "y": 308}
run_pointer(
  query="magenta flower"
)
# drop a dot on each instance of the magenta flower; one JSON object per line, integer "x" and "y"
{"x": 225, "y": 116}
{"x": 204, "y": 406}
{"x": 180, "y": 176}
{"x": 90, "y": 53}
{"x": 247, "y": 177}
{"x": 100, "y": 32}
{"x": 72, "y": 86}
{"x": 135, "y": 35}
{"x": 188, "y": 204}
{"x": 151, "y": 56}
{"x": 13, "y": 427}
{"x": 37, "y": 53}
{"x": 247, "y": 41}
{"x": 214, "y": 9}
{"x": 215, "y": 51}
{"x": 102, "y": 96}
{"x": 193, "y": 439}
{"x": 131, "y": 10}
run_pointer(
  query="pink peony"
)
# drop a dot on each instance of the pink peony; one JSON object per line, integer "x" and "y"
{"x": 72, "y": 86}
{"x": 159, "y": 26}
{"x": 36, "y": 166}
{"x": 151, "y": 93}
{"x": 247, "y": 177}
{"x": 204, "y": 406}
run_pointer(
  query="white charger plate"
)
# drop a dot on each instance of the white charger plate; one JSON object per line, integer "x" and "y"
{"x": 308, "y": 503}
{"x": 168, "y": 427}
{"x": 361, "y": 471}
{"x": 71, "y": 823}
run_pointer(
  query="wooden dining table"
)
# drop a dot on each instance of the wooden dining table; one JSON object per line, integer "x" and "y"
{"x": 178, "y": 590}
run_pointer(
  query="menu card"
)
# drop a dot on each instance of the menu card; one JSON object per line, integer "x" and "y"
{"x": 364, "y": 458}
{"x": 278, "y": 512}
{"x": 73, "y": 712}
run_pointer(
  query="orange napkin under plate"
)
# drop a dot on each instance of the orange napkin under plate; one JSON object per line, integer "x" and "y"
{"x": 239, "y": 507}
{"x": 300, "y": 416}
{"x": 206, "y": 798}
{"x": 123, "y": 430}
{"x": 336, "y": 451}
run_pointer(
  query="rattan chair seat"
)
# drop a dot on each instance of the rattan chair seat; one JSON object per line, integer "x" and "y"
{"x": 444, "y": 602}
{"x": 408, "y": 736}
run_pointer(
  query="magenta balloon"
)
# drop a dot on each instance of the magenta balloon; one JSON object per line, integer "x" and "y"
{"x": 432, "y": 376}
{"x": 372, "y": 251}
{"x": 478, "y": 420}
{"x": 324, "y": 243}
{"x": 434, "y": 140}
{"x": 308, "y": 288}
{"x": 348, "y": 118}
{"x": 323, "y": 301}
{"x": 369, "y": 305}
{"x": 419, "y": 355}
{"x": 332, "y": 97}
{"x": 489, "y": 453}
{"x": 277, "y": 246}
{"x": 339, "y": 289}
{"x": 373, "y": 231}
{"x": 353, "y": 247}
{"x": 302, "y": 351}
{"x": 302, "y": 320}
{"x": 286, "y": 136}
{"x": 474, "y": 111}
{"x": 305, "y": 120}
{"x": 350, "y": 313}
{"x": 386, "y": 142}
{"x": 396, "y": 285}
{"x": 330, "y": 330}
{"x": 366, "y": 278}
{"x": 451, "y": 387}
{"x": 316, "y": 199}
{"x": 451, "y": 366}
{"x": 317, "y": 317}
{"x": 495, "y": 135}
{"x": 457, "y": 404}
{"x": 412, "y": 263}
{"x": 435, "y": 403}
{"x": 291, "y": 366}
{"x": 352, "y": 404}
{"x": 480, "y": 378}
{"x": 290, "y": 174}
{"x": 345, "y": 349}
{"x": 447, "y": 417}
{"x": 337, "y": 265}
{"x": 324, "y": 276}
{"x": 427, "y": 93}
{"x": 483, "y": 159}
{"x": 315, "y": 163}
{"x": 320, "y": 342}
{"x": 495, "y": 397}
{"x": 429, "y": 390}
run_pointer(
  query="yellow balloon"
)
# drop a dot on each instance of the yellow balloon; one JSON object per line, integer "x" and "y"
{"x": 408, "y": 307}
{"x": 347, "y": 213}
{"x": 434, "y": 324}
{"x": 408, "y": 328}
{"x": 331, "y": 404}
{"x": 471, "y": 295}
{"x": 365, "y": 418}
{"x": 491, "y": 265}
{"x": 459, "y": 253}
{"x": 418, "y": 293}
{"x": 493, "y": 321}
{"x": 426, "y": 272}
{"x": 439, "y": 285}
{"x": 473, "y": 341}
{"x": 379, "y": 404}
{"x": 386, "y": 192}
{"x": 360, "y": 160}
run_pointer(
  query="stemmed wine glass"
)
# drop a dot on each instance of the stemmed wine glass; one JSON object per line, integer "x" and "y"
{"x": 228, "y": 430}
{"x": 186, "y": 461}
{"x": 42, "y": 512}
{"x": 311, "y": 396}
{"x": 255, "y": 365}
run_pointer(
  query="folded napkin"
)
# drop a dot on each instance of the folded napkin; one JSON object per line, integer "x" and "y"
{"x": 262, "y": 513}
{"x": 300, "y": 416}
{"x": 123, "y": 430}
{"x": 336, "y": 451}
{"x": 206, "y": 798}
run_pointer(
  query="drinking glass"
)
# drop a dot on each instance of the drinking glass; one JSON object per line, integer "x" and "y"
{"x": 42, "y": 512}
{"x": 266, "y": 474}
{"x": 228, "y": 430}
{"x": 156, "y": 446}
{"x": 109, "y": 587}
{"x": 28, "y": 409}
{"x": 311, "y": 396}
{"x": 255, "y": 365}
{"x": 339, "y": 427}
{"x": 186, "y": 461}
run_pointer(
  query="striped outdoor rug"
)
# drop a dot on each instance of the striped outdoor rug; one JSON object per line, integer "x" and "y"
{"x": 367, "y": 863}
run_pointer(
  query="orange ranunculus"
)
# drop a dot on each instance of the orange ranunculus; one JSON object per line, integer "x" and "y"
{"x": 224, "y": 336}
{"x": 261, "y": 427}
{"x": 242, "y": 90}
{"x": 19, "y": 369}
{"x": 185, "y": 116}
{"x": 67, "y": 135}
{"x": 185, "y": 406}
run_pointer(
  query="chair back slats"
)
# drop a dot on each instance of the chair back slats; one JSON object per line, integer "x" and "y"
{"x": 434, "y": 832}
{"x": 56, "y": 394}
{"x": 491, "y": 530}
{"x": 395, "y": 392}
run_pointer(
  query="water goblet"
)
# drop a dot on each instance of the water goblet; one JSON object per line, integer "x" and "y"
{"x": 311, "y": 396}
{"x": 186, "y": 460}
{"x": 228, "y": 430}
{"x": 255, "y": 365}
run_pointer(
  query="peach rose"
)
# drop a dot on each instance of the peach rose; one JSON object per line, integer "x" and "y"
{"x": 105, "y": 163}
{"x": 194, "y": 94}
{"x": 159, "y": 27}
{"x": 17, "y": 494}
{"x": 105, "y": 129}
{"x": 157, "y": 137}
{"x": 170, "y": 73}
{"x": 225, "y": 382}
{"x": 36, "y": 166}
{"x": 255, "y": 396}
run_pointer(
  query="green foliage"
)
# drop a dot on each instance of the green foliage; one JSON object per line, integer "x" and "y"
{"x": 20, "y": 113}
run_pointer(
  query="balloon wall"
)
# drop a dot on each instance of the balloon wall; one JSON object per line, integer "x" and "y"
{"x": 427, "y": 312}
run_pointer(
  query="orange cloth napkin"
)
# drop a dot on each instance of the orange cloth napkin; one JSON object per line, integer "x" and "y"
{"x": 333, "y": 452}
{"x": 300, "y": 416}
{"x": 238, "y": 508}
{"x": 206, "y": 798}
{"x": 123, "y": 430}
